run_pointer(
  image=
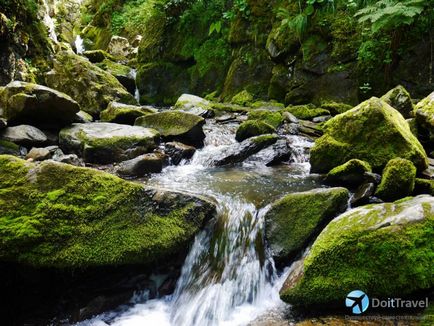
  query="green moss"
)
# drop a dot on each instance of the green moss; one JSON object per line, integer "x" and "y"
{"x": 349, "y": 173}
{"x": 336, "y": 108}
{"x": 354, "y": 252}
{"x": 423, "y": 186}
{"x": 228, "y": 107}
{"x": 306, "y": 112}
{"x": 274, "y": 119}
{"x": 123, "y": 113}
{"x": 114, "y": 68}
{"x": 400, "y": 100}
{"x": 62, "y": 216}
{"x": 251, "y": 128}
{"x": 294, "y": 219}
{"x": 243, "y": 98}
{"x": 96, "y": 56}
{"x": 373, "y": 132}
{"x": 397, "y": 180}
{"x": 170, "y": 123}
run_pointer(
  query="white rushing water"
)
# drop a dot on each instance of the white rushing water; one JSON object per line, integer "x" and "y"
{"x": 79, "y": 45}
{"x": 49, "y": 21}
{"x": 228, "y": 277}
{"x": 133, "y": 73}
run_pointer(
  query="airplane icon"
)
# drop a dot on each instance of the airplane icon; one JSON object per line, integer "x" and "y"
{"x": 358, "y": 301}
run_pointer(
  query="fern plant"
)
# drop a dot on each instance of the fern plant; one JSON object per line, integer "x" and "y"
{"x": 390, "y": 14}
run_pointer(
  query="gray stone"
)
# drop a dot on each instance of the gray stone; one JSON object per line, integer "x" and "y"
{"x": 24, "y": 135}
{"x": 178, "y": 151}
{"x": 103, "y": 142}
{"x": 141, "y": 165}
{"x": 38, "y": 154}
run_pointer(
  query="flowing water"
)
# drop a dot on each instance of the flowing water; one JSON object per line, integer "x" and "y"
{"x": 79, "y": 46}
{"x": 228, "y": 277}
{"x": 49, "y": 21}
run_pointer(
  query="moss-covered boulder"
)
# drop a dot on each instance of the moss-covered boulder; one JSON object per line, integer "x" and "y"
{"x": 58, "y": 215}
{"x": 397, "y": 181}
{"x": 425, "y": 116}
{"x": 104, "y": 142}
{"x": 295, "y": 219}
{"x": 252, "y": 128}
{"x": 194, "y": 105}
{"x": 350, "y": 173}
{"x": 273, "y": 118}
{"x": 373, "y": 132}
{"x": 34, "y": 104}
{"x": 92, "y": 87}
{"x": 176, "y": 125}
{"x": 384, "y": 250}
{"x": 123, "y": 73}
{"x": 96, "y": 56}
{"x": 336, "y": 108}
{"x": 306, "y": 112}
{"x": 400, "y": 100}
{"x": 423, "y": 186}
{"x": 243, "y": 98}
{"x": 124, "y": 113}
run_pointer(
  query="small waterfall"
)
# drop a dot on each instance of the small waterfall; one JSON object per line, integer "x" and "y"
{"x": 133, "y": 74}
{"x": 49, "y": 22}
{"x": 79, "y": 45}
{"x": 228, "y": 277}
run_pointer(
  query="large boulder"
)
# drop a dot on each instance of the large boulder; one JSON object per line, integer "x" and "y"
{"x": 24, "y": 135}
{"x": 123, "y": 73}
{"x": 384, "y": 250}
{"x": 373, "y": 132}
{"x": 104, "y": 142}
{"x": 351, "y": 173}
{"x": 34, "y": 104}
{"x": 58, "y": 215}
{"x": 306, "y": 112}
{"x": 295, "y": 219}
{"x": 425, "y": 115}
{"x": 176, "y": 125}
{"x": 252, "y": 128}
{"x": 92, "y": 87}
{"x": 124, "y": 113}
{"x": 400, "y": 100}
{"x": 398, "y": 180}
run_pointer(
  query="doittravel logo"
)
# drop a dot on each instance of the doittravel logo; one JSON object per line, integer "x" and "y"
{"x": 358, "y": 301}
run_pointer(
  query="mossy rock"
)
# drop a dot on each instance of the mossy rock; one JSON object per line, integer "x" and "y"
{"x": 373, "y": 132}
{"x": 397, "y": 181}
{"x": 124, "y": 113}
{"x": 350, "y": 173}
{"x": 176, "y": 125}
{"x": 124, "y": 74}
{"x": 400, "y": 100}
{"x": 274, "y": 119}
{"x": 7, "y": 147}
{"x": 295, "y": 219}
{"x": 252, "y": 128}
{"x": 22, "y": 102}
{"x": 384, "y": 250}
{"x": 423, "y": 186}
{"x": 58, "y": 215}
{"x": 243, "y": 98}
{"x": 193, "y": 104}
{"x": 336, "y": 108}
{"x": 92, "y": 87}
{"x": 103, "y": 142}
{"x": 425, "y": 116}
{"x": 306, "y": 112}
{"x": 96, "y": 56}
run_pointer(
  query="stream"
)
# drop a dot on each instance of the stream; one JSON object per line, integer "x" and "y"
{"x": 228, "y": 277}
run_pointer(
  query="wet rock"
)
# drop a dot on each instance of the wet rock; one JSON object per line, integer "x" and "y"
{"x": 38, "y": 154}
{"x": 252, "y": 128}
{"x": 425, "y": 116}
{"x": 83, "y": 117}
{"x": 310, "y": 129}
{"x": 400, "y": 100}
{"x": 295, "y": 219}
{"x": 372, "y": 177}
{"x": 356, "y": 247}
{"x": 3, "y": 122}
{"x": 176, "y": 125}
{"x": 69, "y": 159}
{"x": 124, "y": 113}
{"x": 289, "y": 117}
{"x": 194, "y": 105}
{"x": 237, "y": 153}
{"x": 322, "y": 118}
{"x": 178, "y": 151}
{"x": 92, "y": 87}
{"x": 226, "y": 118}
{"x": 124, "y": 74}
{"x": 363, "y": 194}
{"x": 22, "y": 102}
{"x": 281, "y": 152}
{"x": 104, "y": 142}
{"x": 423, "y": 186}
{"x": 24, "y": 135}
{"x": 7, "y": 147}
{"x": 306, "y": 112}
{"x": 373, "y": 123}
{"x": 141, "y": 165}
{"x": 96, "y": 56}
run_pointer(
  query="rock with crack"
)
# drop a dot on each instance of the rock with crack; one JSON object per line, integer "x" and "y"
{"x": 104, "y": 142}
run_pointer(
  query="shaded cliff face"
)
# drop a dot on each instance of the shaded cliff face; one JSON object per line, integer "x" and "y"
{"x": 24, "y": 42}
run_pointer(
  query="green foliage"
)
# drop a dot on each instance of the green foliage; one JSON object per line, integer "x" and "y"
{"x": 390, "y": 14}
